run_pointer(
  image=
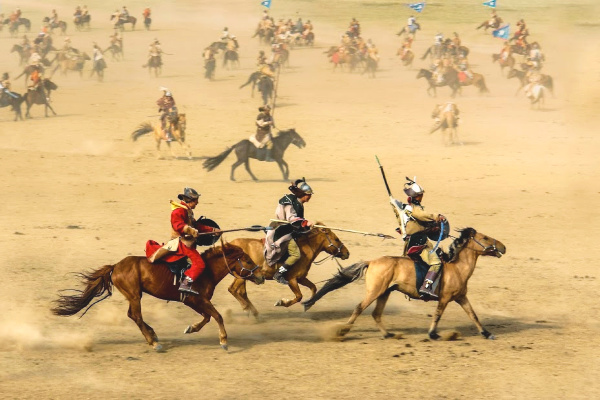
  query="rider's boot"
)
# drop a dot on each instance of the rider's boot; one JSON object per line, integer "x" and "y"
{"x": 279, "y": 275}
{"x": 427, "y": 288}
{"x": 268, "y": 156}
{"x": 186, "y": 285}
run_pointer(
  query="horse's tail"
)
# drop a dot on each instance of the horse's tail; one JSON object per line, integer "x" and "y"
{"x": 482, "y": 87}
{"x": 250, "y": 79}
{"x": 213, "y": 162}
{"x": 550, "y": 85}
{"x": 342, "y": 278}
{"x": 141, "y": 130}
{"x": 96, "y": 284}
{"x": 426, "y": 53}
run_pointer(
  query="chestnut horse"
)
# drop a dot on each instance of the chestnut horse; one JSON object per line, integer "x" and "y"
{"x": 135, "y": 275}
{"x": 447, "y": 120}
{"x": 509, "y": 62}
{"x": 311, "y": 244}
{"x": 494, "y": 25}
{"x": 177, "y": 132}
{"x": 35, "y": 96}
{"x": 388, "y": 273}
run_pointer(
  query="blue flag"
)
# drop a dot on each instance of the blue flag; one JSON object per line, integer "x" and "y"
{"x": 502, "y": 32}
{"x": 267, "y": 3}
{"x": 418, "y": 7}
{"x": 491, "y": 3}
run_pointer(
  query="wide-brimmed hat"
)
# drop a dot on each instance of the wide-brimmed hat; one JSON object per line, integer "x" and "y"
{"x": 265, "y": 108}
{"x": 188, "y": 194}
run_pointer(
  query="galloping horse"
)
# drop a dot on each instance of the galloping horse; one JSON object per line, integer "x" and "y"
{"x": 494, "y": 25}
{"x": 407, "y": 58}
{"x": 14, "y": 102}
{"x": 447, "y": 115}
{"x": 310, "y": 244}
{"x": 253, "y": 79}
{"x": 66, "y": 63}
{"x": 536, "y": 95}
{"x": 116, "y": 52}
{"x": 36, "y": 97}
{"x": 120, "y": 24}
{"x": 265, "y": 35}
{"x": 177, "y": 125}
{"x": 476, "y": 80}
{"x": 209, "y": 68}
{"x": 450, "y": 80}
{"x": 387, "y": 274}
{"x": 545, "y": 80}
{"x": 98, "y": 68}
{"x": 23, "y": 54}
{"x": 244, "y": 150}
{"x": 13, "y": 27}
{"x": 370, "y": 67}
{"x": 133, "y": 276}
{"x": 266, "y": 87}
{"x": 62, "y": 25}
{"x": 412, "y": 29}
{"x": 508, "y": 62}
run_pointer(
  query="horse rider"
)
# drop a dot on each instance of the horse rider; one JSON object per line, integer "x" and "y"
{"x": 417, "y": 222}
{"x": 438, "y": 71}
{"x": 184, "y": 231}
{"x": 5, "y": 85}
{"x": 289, "y": 208}
{"x": 411, "y": 24}
{"x": 35, "y": 59}
{"x": 264, "y": 122}
{"x": 307, "y": 28}
{"x": 406, "y": 45}
{"x": 232, "y": 43}
{"x": 168, "y": 110}
{"x": 53, "y": 21}
{"x": 25, "y": 44}
{"x": 154, "y": 51}
{"x": 115, "y": 40}
{"x": 372, "y": 51}
{"x": 261, "y": 59}
{"x": 535, "y": 56}
{"x": 97, "y": 56}
{"x": 147, "y": 12}
{"x": 84, "y": 12}
{"x": 463, "y": 66}
{"x": 77, "y": 15}
{"x": 36, "y": 81}
{"x": 506, "y": 51}
{"x": 69, "y": 51}
{"x": 493, "y": 18}
{"x": 18, "y": 13}
{"x": 443, "y": 108}
{"x": 124, "y": 14}
{"x": 225, "y": 35}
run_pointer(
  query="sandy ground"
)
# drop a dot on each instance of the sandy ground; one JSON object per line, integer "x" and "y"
{"x": 78, "y": 194}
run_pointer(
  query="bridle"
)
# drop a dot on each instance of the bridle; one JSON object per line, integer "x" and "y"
{"x": 486, "y": 249}
{"x": 233, "y": 273}
{"x": 338, "y": 251}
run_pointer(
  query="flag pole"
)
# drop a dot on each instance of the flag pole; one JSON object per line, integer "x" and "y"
{"x": 276, "y": 87}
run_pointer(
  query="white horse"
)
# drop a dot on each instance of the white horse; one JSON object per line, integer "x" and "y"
{"x": 535, "y": 93}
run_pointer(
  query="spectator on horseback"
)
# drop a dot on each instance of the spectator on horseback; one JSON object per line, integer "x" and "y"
{"x": 264, "y": 122}
{"x": 5, "y": 85}
{"x": 289, "y": 208}
{"x": 417, "y": 224}
{"x": 298, "y": 26}
{"x": 184, "y": 231}
{"x": 168, "y": 110}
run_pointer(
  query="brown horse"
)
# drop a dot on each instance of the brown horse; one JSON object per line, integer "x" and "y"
{"x": 509, "y": 62}
{"x": 177, "y": 125}
{"x": 407, "y": 58}
{"x": 450, "y": 80}
{"x": 494, "y": 25}
{"x": 387, "y": 274}
{"x": 120, "y": 24}
{"x": 62, "y": 25}
{"x": 545, "y": 80}
{"x": 133, "y": 276}
{"x": 35, "y": 96}
{"x": 476, "y": 80}
{"x": 74, "y": 63}
{"x": 311, "y": 244}
{"x": 154, "y": 64}
{"x": 447, "y": 120}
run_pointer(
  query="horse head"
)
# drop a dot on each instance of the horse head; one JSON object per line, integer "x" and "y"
{"x": 49, "y": 85}
{"x": 424, "y": 73}
{"x": 436, "y": 110}
{"x": 240, "y": 265}
{"x": 478, "y": 242}
{"x": 512, "y": 73}
{"x": 333, "y": 244}
{"x": 296, "y": 138}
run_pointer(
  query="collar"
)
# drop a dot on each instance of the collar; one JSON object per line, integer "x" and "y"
{"x": 178, "y": 205}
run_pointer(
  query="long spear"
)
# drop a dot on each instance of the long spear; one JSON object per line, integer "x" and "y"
{"x": 397, "y": 206}
{"x": 276, "y": 87}
{"x": 381, "y": 235}
{"x": 253, "y": 228}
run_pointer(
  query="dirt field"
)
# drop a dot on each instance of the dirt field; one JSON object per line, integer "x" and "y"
{"x": 78, "y": 194}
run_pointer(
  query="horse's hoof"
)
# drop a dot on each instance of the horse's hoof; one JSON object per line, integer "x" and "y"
{"x": 434, "y": 336}
{"x": 488, "y": 335}
{"x": 188, "y": 329}
{"x": 388, "y": 335}
{"x": 224, "y": 347}
{"x": 279, "y": 303}
{"x": 158, "y": 347}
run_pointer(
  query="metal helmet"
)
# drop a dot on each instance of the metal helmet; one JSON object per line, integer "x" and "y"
{"x": 168, "y": 94}
{"x": 412, "y": 189}
{"x": 300, "y": 187}
{"x": 188, "y": 194}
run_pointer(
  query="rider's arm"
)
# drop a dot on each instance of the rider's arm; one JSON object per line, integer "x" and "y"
{"x": 178, "y": 222}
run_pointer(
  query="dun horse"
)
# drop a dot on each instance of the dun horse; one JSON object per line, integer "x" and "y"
{"x": 244, "y": 150}
{"x": 133, "y": 276}
{"x": 509, "y": 62}
{"x": 387, "y": 274}
{"x": 545, "y": 80}
{"x": 177, "y": 125}
{"x": 120, "y": 24}
{"x": 494, "y": 25}
{"x": 311, "y": 244}
{"x": 447, "y": 115}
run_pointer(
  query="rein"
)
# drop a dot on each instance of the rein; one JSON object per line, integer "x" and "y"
{"x": 232, "y": 272}
{"x": 331, "y": 256}
{"x": 486, "y": 248}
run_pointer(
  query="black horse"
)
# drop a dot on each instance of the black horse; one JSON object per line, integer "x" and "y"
{"x": 244, "y": 150}
{"x": 13, "y": 100}
{"x": 266, "y": 88}
{"x": 82, "y": 22}
{"x": 37, "y": 97}
{"x": 450, "y": 80}
{"x": 13, "y": 27}
{"x": 209, "y": 68}
{"x": 254, "y": 79}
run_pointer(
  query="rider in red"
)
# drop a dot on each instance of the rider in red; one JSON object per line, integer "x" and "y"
{"x": 184, "y": 232}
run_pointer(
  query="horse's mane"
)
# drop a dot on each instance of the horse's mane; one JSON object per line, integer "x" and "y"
{"x": 226, "y": 248}
{"x": 459, "y": 243}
